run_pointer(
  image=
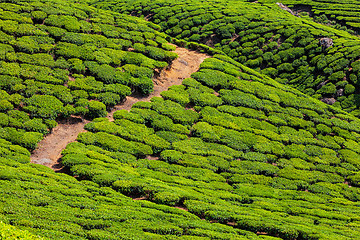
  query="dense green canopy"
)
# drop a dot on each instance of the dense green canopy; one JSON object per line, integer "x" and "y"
{"x": 264, "y": 37}
{"x": 235, "y": 152}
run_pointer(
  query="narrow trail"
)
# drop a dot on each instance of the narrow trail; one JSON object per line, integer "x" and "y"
{"x": 49, "y": 149}
{"x": 48, "y": 152}
{"x": 187, "y": 63}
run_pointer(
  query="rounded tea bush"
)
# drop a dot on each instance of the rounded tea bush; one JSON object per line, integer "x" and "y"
{"x": 96, "y": 109}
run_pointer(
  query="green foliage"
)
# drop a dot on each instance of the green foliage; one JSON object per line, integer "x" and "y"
{"x": 97, "y": 109}
{"x": 44, "y": 106}
{"x": 230, "y": 160}
{"x": 287, "y": 50}
{"x": 349, "y": 89}
{"x": 36, "y": 125}
{"x": 10, "y": 232}
{"x": 59, "y": 59}
{"x": 176, "y": 112}
{"x": 327, "y": 90}
{"x": 229, "y": 154}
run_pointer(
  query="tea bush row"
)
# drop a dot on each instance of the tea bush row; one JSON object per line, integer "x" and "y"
{"x": 287, "y": 49}
{"x": 59, "y": 59}
{"x": 278, "y": 162}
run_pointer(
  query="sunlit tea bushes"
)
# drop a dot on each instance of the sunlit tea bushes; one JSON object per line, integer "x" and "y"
{"x": 252, "y": 164}
{"x": 229, "y": 154}
{"x": 266, "y": 38}
{"x": 340, "y": 14}
{"x": 59, "y": 59}
{"x": 8, "y": 232}
{"x": 88, "y": 210}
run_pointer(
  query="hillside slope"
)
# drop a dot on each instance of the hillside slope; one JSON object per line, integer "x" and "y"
{"x": 59, "y": 59}
{"x": 233, "y": 147}
{"x": 264, "y": 37}
{"x": 229, "y": 154}
{"x": 342, "y": 14}
{"x": 48, "y": 151}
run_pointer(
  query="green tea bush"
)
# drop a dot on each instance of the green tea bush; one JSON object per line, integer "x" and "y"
{"x": 97, "y": 109}
{"x": 176, "y": 112}
{"x": 44, "y": 106}
{"x": 288, "y": 50}
{"x": 177, "y": 94}
{"x": 259, "y": 158}
{"x": 36, "y": 125}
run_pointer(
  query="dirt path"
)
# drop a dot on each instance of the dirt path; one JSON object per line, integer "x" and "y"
{"x": 187, "y": 63}
{"x": 49, "y": 149}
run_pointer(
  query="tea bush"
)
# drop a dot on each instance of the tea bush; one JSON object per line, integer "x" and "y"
{"x": 230, "y": 154}
{"x": 287, "y": 49}
{"x": 231, "y": 163}
{"x": 59, "y": 59}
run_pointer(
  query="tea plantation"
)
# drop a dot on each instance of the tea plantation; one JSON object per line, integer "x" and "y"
{"x": 341, "y": 14}
{"x": 266, "y": 38}
{"x": 10, "y": 232}
{"x": 58, "y": 60}
{"x": 249, "y": 153}
{"x": 243, "y": 149}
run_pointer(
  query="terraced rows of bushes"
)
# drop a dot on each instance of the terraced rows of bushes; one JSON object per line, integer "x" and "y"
{"x": 341, "y": 14}
{"x": 10, "y": 232}
{"x": 57, "y": 206}
{"x": 233, "y": 147}
{"x": 59, "y": 59}
{"x": 229, "y": 154}
{"x": 266, "y": 38}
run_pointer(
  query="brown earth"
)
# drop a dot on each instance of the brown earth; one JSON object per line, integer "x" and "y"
{"x": 187, "y": 63}
{"x": 49, "y": 150}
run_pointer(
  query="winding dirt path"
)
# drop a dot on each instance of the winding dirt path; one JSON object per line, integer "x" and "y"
{"x": 49, "y": 150}
{"x": 187, "y": 63}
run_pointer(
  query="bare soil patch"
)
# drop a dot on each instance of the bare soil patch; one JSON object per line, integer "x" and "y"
{"x": 187, "y": 63}
{"x": 182, "y": 208}
{"x": 49, "y": 150}
{"x": 152, "y": 157}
